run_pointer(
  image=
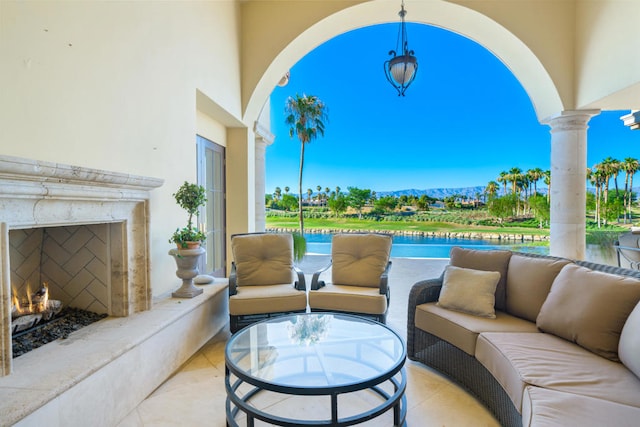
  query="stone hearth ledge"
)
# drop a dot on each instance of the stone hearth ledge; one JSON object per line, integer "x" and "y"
{"x": 103, "y": 371}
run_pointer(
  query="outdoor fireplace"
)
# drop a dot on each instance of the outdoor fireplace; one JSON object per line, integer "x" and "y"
{"x": 83, "y": 232}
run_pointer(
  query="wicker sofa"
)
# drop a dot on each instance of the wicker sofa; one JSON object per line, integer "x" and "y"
{"x": 563, "y": 348}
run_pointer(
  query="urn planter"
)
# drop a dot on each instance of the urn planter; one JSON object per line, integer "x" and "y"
{"x": 187, "y": 262}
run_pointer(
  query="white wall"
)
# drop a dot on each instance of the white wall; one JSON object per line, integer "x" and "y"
{"x": 112, "y": 85}
{"x": 607, "y": 60}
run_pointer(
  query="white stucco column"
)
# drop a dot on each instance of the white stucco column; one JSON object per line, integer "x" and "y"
{"x": 263, "y": 138}
{"x": 568, "y": 182}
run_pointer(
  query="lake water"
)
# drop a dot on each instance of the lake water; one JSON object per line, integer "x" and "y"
{"x": 425, "y": 247}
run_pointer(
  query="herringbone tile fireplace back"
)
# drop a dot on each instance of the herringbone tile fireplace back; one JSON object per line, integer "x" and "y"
{"x": 73, "y": 261}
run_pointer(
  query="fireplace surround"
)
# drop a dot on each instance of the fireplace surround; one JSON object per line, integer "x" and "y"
{"x": 67, "y": 199}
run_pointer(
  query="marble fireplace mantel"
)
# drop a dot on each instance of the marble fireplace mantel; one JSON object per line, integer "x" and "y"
{"x": 41, "y": 194}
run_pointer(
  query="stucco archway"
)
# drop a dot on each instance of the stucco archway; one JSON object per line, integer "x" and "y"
{"x": 514, "y": 53}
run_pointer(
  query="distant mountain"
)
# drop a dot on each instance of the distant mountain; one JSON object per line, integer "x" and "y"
{"x": 437, "y": 193}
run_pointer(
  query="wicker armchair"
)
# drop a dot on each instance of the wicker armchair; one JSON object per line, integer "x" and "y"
{"x": 359, "y": 276}
{"x": 628, "y": 250}
{"x": 261, "y": 283}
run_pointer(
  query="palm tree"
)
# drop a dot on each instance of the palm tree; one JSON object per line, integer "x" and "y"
{"x": 503, "y": 179}
{"x": 337, "y": 190}
{"x": 615, "y": 166}
{"x": 286, "y": 190}
{"x": 277, "y": 193}
{"x": 597, "y": 177}
{"x": 591, "y": 180}
{"x": 535, "y": 175}
{"x": 608, "y": 167}
{"x": 515, "y": 177}
{"x": 491, "y": 189}
{"x": 630, "y": 167}
{"x": 306, "y": 116}
{"x": 309, "y": 193}
{"x": 546, "y": 177}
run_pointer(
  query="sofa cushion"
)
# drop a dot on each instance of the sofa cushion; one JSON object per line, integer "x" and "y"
{"x": 263, "y": 258}
{"x": 589, "y": 308}
{"x": 359, "y": 259}
{"x": 629, "y": 347}
{"x": 528, "y": 282}
{"x": 356, "y": 299}
{"x": 469, "y": 291}
{"x": 267, "y": 299}
{"x": 487, "y": 261}
{"x": 542, "y": 407}
{"x": 543, "y": 360}
{"x": 462, "y": 329}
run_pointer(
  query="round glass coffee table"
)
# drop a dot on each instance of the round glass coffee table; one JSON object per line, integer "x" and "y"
{"x": 324, "y": 369}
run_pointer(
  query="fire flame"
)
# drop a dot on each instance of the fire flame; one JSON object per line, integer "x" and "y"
{"x": 34, "y": 303}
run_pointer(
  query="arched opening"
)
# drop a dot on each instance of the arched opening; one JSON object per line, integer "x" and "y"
{"x": 513, "y": 52}
{"x": 464, "y": 110}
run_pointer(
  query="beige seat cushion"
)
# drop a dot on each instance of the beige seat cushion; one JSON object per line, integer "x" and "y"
{"x": 469, "y": 291}
{"x": 629, "y": 346}
{"x": 355, "y": 299}
{"x": 528, "y": 283}
{"x": 263, "y": 259}
{"x": 486, "y": 261}
{"x": 359, "y": 259}
{"x": 542, "y": 407}
{"x": 267, "y": 299}
{"x": 544, "y": 360}
{"x": 589, "y": 308}
{"x": 462, "y": 329}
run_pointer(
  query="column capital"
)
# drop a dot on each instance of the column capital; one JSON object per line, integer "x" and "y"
{"x": 263, "y": 134}
{"x": 570, "y": 120}
{"x": 632, "y": 120}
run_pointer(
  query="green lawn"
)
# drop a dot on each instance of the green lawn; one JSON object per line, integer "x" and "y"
{"x": 372, "y": 225}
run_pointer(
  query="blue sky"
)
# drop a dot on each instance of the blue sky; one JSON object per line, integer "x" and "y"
{"x": 464, "y": 119}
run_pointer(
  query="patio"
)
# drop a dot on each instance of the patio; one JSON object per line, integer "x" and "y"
{"x": 195, "y": 392}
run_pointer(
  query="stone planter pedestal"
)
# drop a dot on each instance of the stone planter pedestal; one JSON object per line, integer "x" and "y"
{"x": 187, "y": 262}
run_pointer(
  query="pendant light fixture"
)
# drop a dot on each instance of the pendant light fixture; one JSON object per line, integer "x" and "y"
{"x": 402, "y": 68}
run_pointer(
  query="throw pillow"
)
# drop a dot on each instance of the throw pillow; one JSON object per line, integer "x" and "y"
{"x": 589, "y": 308}
{"x": 470, "y": 291}
{"x": 485, "y": 261}
{"x": 629, "y": 347}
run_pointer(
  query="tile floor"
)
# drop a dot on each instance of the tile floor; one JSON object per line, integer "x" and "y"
{"x": 195, "y": 394}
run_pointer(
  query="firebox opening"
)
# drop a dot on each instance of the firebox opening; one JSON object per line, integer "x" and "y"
{"x": 61, "y": 275}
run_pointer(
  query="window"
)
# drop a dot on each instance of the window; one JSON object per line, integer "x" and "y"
{"x": 211, "y": 173}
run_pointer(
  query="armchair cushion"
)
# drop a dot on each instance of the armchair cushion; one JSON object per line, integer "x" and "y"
{"x": 267, "y": 299}
{"x": 359, "y": 259}
{"x": 263, "y": 259}
{"x": 350, "y": 299}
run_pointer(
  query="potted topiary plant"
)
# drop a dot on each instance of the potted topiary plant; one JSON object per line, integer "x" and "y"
{"x": 190, "y": 197}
